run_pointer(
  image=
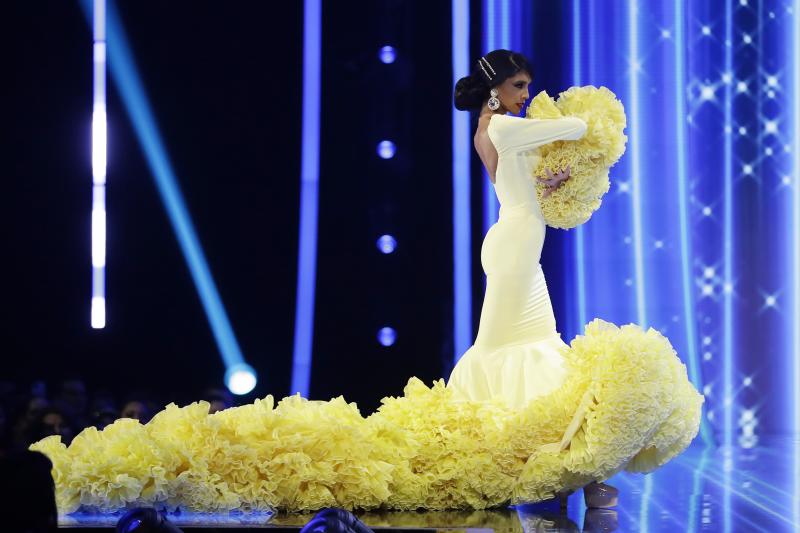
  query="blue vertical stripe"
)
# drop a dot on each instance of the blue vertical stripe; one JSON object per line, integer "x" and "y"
{"x": 309, "y": 200}
{"x": 462, "y": 252}
{"x": 689, "y": 313}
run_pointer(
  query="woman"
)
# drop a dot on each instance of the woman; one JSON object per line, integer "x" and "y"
{"x": 517, "y": 353}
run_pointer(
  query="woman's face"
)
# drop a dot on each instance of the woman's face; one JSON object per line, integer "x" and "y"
{"x": 513, "y": 93}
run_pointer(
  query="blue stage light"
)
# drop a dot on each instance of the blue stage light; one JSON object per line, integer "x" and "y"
{"x": 387, "y": 336}
{"x": 386, "y": 244}
{"x": 386, "y": 149}
{"x": 580, "y": 253}
{"x": 636, "y": 164}
{"x": 240, "y": 378}
{"x": 387, "y": 54}
{"x": 309, "y": 199}
{"x": 792, "y": 399}
{"x": 462, "y": 249}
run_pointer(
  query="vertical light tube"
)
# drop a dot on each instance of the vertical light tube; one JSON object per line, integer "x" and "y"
{"x": 99, "y": 146}
{"x": 577, "y": 78}
{"x": 462, "y": 271}
{"x": 687, "y": 283}
{"x": 636, "y": 193}
{"x": 794, "y": 424}
{"x": 727, "y": 290}
{"x": 309, "y": 199}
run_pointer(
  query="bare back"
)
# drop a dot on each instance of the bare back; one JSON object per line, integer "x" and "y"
{"x": 485, "y": 148}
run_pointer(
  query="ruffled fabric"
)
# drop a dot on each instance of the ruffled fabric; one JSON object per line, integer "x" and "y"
{"x": 429, "y": 448}
{"x": 589, "y": 158}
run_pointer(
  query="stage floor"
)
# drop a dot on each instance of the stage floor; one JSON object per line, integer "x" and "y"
{"x": 702, "y": 490}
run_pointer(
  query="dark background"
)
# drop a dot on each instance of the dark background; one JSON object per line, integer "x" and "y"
{"x": 224, "y": 80}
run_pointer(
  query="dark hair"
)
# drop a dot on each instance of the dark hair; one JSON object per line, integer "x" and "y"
{"x": 490, "y": 71}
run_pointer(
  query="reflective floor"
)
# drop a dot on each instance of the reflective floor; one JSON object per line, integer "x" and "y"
{"x": 702, "y": 490}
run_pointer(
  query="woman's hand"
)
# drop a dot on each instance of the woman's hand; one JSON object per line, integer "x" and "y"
{"x": 552, "y": 182}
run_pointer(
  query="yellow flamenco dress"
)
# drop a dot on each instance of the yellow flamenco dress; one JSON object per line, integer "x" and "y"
{"x": 522, "y": 417}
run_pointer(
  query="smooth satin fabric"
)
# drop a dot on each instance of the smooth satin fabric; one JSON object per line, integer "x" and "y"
{"x": 517, "y": 352}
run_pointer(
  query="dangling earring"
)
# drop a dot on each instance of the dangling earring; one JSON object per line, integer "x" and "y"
{"x": 494, "y": 103}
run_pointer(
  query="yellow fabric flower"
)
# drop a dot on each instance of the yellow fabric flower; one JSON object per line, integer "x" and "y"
{"x": 426, "y": 449}
{"x": 589, "y": 158}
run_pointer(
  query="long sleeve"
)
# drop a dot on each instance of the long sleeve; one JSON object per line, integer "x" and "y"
{"x": 516, "y": 134}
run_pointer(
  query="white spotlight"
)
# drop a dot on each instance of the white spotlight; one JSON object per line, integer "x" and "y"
{"x": 387, "y": 54}
{"x": 98, "y": 313}
{"x": 386, "y": 149}
{"x": 387, "y": 336}
{"x": 387, "y": 244}
{"x": 240, "y": 379}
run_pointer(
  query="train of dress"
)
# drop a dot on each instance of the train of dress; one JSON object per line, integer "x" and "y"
{"x": 430, "y": 448}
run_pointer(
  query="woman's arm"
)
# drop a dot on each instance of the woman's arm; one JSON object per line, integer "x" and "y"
{"x": 522, "y": 134}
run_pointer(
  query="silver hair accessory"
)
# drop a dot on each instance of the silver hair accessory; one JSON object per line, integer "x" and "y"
{"x": 494, "y": 102}
{"x": 484, "y": 69}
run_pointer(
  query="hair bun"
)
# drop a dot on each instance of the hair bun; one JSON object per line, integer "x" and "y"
{"x": 470, "y": 92}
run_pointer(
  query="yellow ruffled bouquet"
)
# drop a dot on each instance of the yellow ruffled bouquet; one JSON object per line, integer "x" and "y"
{"x": 427, "y": 449}
{"x": 589, "y": 158}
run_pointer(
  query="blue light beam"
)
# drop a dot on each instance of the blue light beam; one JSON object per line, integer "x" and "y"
{"x": 309, "y": 200}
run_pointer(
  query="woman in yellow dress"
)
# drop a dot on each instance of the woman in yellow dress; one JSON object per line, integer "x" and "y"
{"x": 517, "y": 352}
{"x": 523, "y": 418}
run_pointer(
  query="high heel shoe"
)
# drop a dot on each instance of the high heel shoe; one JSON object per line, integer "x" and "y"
{"x": 600, "y": 496}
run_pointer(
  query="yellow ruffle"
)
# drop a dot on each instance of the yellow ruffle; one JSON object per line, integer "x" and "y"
{"x": 589, "y": 158}
{"x": 427, "y": 449}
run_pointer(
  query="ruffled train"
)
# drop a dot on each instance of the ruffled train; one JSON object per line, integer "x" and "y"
{"x": 430, "y": 448}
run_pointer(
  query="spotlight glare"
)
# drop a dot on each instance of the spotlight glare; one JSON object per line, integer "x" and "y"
{"x": 387, "y": 244}
{"x": 387, "y": 54}
{"x": 387, "y": 336}
{"x": 99, "y": 135}
{"x": 98, "y": 237}
{"x": 98, "y": 313}
{"x": 240, "y": 379}
{"x": 386, "y": 149}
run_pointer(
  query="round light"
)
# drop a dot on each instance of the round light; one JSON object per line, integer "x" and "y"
{"x": 386, "y": 244}
{"x": 386, "y": 149}
{"x": 387, "y": 336}
{"x": 387, "y": 54}
{"x": 240, "y": 379}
